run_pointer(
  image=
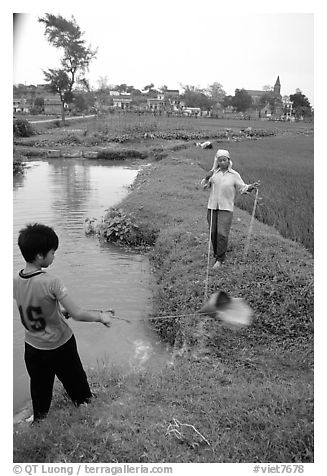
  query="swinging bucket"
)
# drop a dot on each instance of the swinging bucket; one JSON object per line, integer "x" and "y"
{"x": 233, "y": 312}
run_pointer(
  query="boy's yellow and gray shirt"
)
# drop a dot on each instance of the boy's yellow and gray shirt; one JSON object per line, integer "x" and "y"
{"x": 37, "y": 295}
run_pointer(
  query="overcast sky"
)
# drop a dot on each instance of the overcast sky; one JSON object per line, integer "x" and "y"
{"x": 179, "y": 43}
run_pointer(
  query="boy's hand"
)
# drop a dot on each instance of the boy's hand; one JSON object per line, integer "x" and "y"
{"x": 106, "y": 317}
{"x": 64, "y": 312}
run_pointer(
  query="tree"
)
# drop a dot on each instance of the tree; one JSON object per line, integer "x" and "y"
{"x": 80, "y": 102}
{"x": 195, "y": 97}
{"x": 84, "y": 85}
{"x": 131, "y": 90}
{"x": 300, "y": 104}
{"x": 67, "y": 36}
{"x": 152, "y": 93}
{"x": 227, "y": 101}
{"x": 269, "y": 98}
{"x": 59, "y": 82}
{"x": 121, "y": 88}
{"x": 103, "y": 97}
{"x": 19, "y": 89}
{"x": 242, "y": 100}
{"x": 84, "y": 101}
{"x": 103, "y": 83}
{"x": 216, "y": 93}
{"x": 39, "y": 104}
{"x": 148, "y": 87}
{"x": 135, "y": 91}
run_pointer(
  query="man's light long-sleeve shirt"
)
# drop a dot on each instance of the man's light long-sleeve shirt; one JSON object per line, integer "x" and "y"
{"x": 224, "y": 186}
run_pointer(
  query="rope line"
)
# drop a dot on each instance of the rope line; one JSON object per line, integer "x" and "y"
{"x": 148, "y": 318}
{"x": 208, "y": 259}
{"x": 247, "y": 244}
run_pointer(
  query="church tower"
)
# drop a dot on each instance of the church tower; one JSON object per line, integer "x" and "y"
{"x": 277, "y": 87}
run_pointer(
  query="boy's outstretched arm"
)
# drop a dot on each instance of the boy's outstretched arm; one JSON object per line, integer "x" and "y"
{"x": 80, "y": 314}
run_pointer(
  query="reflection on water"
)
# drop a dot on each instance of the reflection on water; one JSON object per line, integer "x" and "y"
{"x": 61, "y": 194}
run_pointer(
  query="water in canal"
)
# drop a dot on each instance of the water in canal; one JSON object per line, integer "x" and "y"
{"x": 61, "y": 193}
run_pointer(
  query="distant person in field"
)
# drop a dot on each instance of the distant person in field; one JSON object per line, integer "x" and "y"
{"x": 224, "y": 183}
{"x": 43, "y": 303}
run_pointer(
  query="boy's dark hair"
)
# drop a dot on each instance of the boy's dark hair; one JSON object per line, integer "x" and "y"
{"x": 35, "y": 239}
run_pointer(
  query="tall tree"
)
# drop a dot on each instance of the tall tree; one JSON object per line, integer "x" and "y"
{"x": 227, "y": 101}
{"x": 195, "y": 97}
{"x": 103, "y": 83}
{"x": 151, "y": 91}
{"x": 68, "y": 37}
{"x": 122, "y": 88}
{"x": 148, "y": 87}
{"x": 300, "y": 104}
{"x": 216, "y": 93}
{"x": 241, "y": 100}
{"x": 103, "y": 97}
{"x": 131, "y": 90}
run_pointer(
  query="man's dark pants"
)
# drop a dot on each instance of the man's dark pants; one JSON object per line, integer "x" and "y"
{"x": 220, "y": 221}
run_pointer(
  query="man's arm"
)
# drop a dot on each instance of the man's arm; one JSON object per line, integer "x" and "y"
{"x": 253, "y": 186}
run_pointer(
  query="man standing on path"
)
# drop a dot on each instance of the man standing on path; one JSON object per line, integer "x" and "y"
{"x": 224, "y": 183}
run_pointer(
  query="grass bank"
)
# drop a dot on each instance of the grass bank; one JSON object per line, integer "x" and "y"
{"x": 248, "y": 393}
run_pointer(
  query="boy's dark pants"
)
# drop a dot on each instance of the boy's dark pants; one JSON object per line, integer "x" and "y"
{"x": 220, "y": 228}
{"x": 44, "y": 365}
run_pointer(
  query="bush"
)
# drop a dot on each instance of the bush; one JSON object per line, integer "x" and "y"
{"x": 36, "y": 110}
{"x": 121, "y": 154}
{"x": 22, "y": 128}
{"x": 118, "y": 227}
{"x": 71, "y": 139}
{"x": 18, "y": 164}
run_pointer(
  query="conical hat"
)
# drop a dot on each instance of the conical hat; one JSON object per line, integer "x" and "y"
{"x": 232, "y": 311}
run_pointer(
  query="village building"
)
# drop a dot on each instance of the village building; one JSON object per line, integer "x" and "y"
{"x": 287, "y": 109}
{"x": 168, "y": 101}
{"x": 24, "y": 102}
{"x": 267, "y": 111}
{"x": 173, "y": 98}
{"x": 52, "y": 105}
{"x": 21, "y": 105}
{"x": 192, "y": 111}
{"x": 122, "y": 101}
{"x": 156, "y": 104}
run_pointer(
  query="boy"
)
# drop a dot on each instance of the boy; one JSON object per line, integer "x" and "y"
{"x": 50, "y": 346}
